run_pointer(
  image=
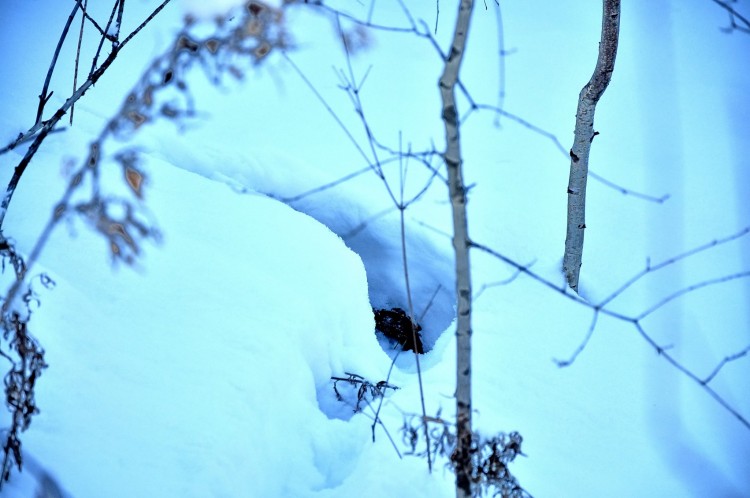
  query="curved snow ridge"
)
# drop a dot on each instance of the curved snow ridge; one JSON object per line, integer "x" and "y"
{"x": 359, "y": 212}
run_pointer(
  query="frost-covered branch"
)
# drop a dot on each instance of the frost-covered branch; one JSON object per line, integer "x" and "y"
{"x": 584, "y": 135}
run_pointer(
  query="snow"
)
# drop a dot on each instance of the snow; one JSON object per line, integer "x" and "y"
{"x": 204, "y": 370}
{"x": 238, "y": 333}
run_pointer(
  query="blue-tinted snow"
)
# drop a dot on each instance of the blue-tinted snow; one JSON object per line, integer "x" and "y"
{"x": 161, "y": 383}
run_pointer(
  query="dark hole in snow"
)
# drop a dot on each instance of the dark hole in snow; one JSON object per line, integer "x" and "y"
{"x": 396, "y": 325}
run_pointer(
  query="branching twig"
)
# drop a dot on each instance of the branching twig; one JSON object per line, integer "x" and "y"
{"x": 734, "y": 16}
{"x": 635, "y": 320}
{"x": 83, "y": 4}
{"x": 424, "y": 32}
{"x": 78, "y": 52}
{"x": 727, "y": 359}
{"x": 42, "y": 128}
{"x": 498, "y": 283}
{"x": 690, "y": 288}
{"x": 582, "y": 345}
{"x": 653, "y": 268}
{"x": 407, "y": 283}
{"x": 44, "y": 96}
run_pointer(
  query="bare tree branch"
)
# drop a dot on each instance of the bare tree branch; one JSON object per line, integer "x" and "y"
{"x": 425, "y": 33}
{"x": 734, "y": 16}
{"x": 83, "y": 4}
{"x": 727, "y": 359}
{"x": 78, "y": 53}
{"x": 45, "y": 127}
{"x": 653, "y": 268}
{"x": 582, "y": 346}
{"x": 412, "y": 320}
{"x": 690, "y": 288}
{"x": 584, "y": 135}
{"x": 44, "y": 96}
{"x": 635, "y": 321}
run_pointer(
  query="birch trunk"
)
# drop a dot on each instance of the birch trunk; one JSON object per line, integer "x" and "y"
{"x": 584, "y": 135}
{"x": 457, "y": 192}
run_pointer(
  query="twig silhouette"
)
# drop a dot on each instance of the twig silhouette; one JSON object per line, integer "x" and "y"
{"x": 734, "y": 16}
{"x": 635, "y": 320}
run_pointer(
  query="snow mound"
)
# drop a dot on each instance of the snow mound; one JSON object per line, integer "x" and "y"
{"x": 187, "y": 379}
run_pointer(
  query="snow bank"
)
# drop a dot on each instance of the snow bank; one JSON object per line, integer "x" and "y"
{"x": 198, "y": 375}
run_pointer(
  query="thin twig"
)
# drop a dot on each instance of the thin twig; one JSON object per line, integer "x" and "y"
{"x": 353, "y": 89}
{"x": 670, "y": 261}
{"x": 691, "y": 288}
{"x": 429, "y": 303}
{"x": 407, "y": 283}
{"x": 498, "y": 283}
{"x": 380, "y": 404}
{"x": 670, "y": 359}
{"x": 582, "y": 346}
{"x": 105, "y": 36}
{"x": 727, "y": 359}
{"x": 328, "y": 108}
{"x": 44, "y": 96}
{"x": 733, "y": 15}
{"x": 501, "y": 54}
{"x": 636, "y": 321}
{"x": 83, "y": 4}
{"x": 78, "y": 53}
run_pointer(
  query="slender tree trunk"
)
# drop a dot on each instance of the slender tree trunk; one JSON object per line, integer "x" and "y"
{"x": 584, "y": 135}
{"x": 453, "y": 161}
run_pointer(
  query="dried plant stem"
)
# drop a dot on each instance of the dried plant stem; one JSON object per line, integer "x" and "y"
{"x": 44, "y": 128}
{"x": 78, "y": 55}
{"x": 44, "y": 96}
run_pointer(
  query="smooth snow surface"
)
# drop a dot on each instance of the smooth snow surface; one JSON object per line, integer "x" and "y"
{"x": 205, "y": 369}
